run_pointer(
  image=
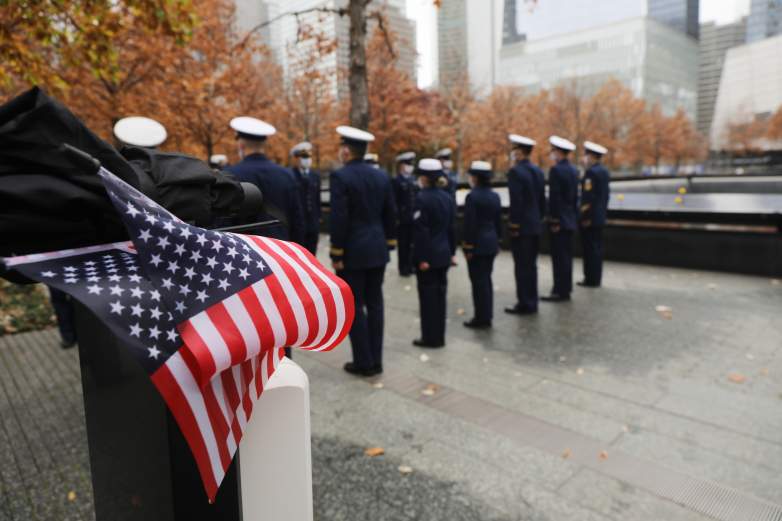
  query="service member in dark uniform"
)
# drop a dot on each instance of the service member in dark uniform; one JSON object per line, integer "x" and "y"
{"x": 562, "y": 217}
{"x": 277, "y": 184}
{"x": 527, "y": 190}
{"x": 309, "y": 192}
{"x": 363, "y": 225}
{"x": 434, "y": 245}
{"x": 405, "y": 189}
{"x": 482, "y": 231}
{"x": 595, "y": 191}
{"x": 444, "y": 155}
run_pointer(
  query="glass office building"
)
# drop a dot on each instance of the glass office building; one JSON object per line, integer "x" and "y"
{"x": 765, "y": 20}
{"x": 682, "y": 15}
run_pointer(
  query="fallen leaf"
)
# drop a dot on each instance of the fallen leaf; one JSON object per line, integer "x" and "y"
{"x": 485, "y": 360}
{"x": 712, "y": 286}
{"x": 567, "y": 453}
{"x": 405, "y": 469}
{"x": 378, "y": 385}
{"x": 625, "y": 428}
{"x": 776, "y": 282}
{"x": 460, "y": 311}
{"x": 424, "y": 357}
{"x": 408, "y": 288}
{"x": 71, "y": 496}
{"x": 682, "y": 190}
{"x": 764, "y": 372}
{"x": 678, "y": 200}
{"x": 665, "y": 312}
{"x": 430, "y": 390}
{"x": 562, "y": 358}
{"x": 621, "y": 197}
{"x": 603, "y": 455}
{"x": 374, "y": 451}
{"x": 737, "y": 378}
{"x": 580, "y": 371}
{"x": 750, "y": 356}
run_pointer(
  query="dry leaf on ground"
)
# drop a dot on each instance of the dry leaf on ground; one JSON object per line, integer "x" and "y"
{"x": 405, "y": 469}
{"x": 764, "y": 372}
{"x": 374, "y": 451}
{"x": 430, "y": 390}
{"x": 567, "y": 453}
{"x": 665, "y": 312}
{"x": 378, "y": 385}
{"x": 737, "y": 378}
{"x": 408, "y": 288}
{"x": 424, "y": 357}
{"x": 711, "y": 286}
{"x": 460, "y": 311}
{"x": 580, "y": 371}
{"x": 71, "y": 496}
{"x": 603, "y": 455}
{"x": 750, "y": 356}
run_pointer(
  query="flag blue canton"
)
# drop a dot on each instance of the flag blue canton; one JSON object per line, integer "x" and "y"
{"x": 192, "y": 268}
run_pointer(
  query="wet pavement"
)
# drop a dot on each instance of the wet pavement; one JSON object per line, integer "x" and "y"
{"x": 598, "y": 409}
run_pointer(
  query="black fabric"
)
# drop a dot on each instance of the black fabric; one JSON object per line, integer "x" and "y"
{"x": 186, "y": 186}
{"x": 561, "y": 243}
{"x": 432, "y": 292}
{"x": 480, "y": 268}
{"x": 592, "y": 249}
{"x": 525, "y": 265}
{"x": 366, "y": 334}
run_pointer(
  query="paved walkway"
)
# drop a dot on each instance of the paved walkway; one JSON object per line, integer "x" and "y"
{"x": 599, "y": 409}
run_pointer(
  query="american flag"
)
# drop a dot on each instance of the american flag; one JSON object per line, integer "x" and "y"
{"x": 206, "y": 313}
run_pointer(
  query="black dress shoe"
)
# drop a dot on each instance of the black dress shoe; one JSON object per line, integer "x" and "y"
{"x": 67, "y": 344}
{"x": 555, "y": 298}
{"x": 429, "y": 345}
{"x": 475, "y": 324}
{"x": 352, "y": 368}
{"x": 377, "y": 369}
{"x": 518, "y": 310}
{"x": 585, "y": 284}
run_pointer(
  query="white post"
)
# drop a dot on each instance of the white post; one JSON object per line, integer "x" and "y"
{"x": 274, "y": 455}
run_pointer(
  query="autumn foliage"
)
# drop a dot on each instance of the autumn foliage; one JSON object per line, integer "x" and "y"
{"x": 195, "y": 73}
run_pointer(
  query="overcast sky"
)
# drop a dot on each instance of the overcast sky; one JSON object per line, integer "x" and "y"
{"x": 424, "y": 13}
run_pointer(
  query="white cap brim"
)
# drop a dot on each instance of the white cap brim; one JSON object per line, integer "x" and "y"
{"x": 562, "y": 143}
{"x": 140, "y": 131}
{"x": 516, "y": 139}
{"x": 355, "y": 134}
{"x": 594, "y": 147}
{"x": 252, "y": 127}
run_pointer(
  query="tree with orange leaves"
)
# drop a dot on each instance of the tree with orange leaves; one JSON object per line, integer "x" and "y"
{"x": 774, "y": 130}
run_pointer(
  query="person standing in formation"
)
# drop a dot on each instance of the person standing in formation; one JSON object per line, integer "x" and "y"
{"x": 562, "y": 217}
{"x": 527, "y": 189}
{"x": 434, "y": 246}
{"x": 405, "y": 189}
{"x": 452, "y": 176}
{"x": 482, "y": 232}
{"x": 309, "y": 193}
{"x": 595, "y": 191}
{"x": 371, "y": 160}
{"x": 363, "y": 227}
{"x": 279, "y": 188}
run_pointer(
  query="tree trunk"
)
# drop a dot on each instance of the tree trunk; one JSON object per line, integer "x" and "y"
{"x": 357, "y": 80}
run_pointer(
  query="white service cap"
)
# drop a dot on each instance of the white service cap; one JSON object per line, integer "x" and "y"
{"x": 594, "y": 147}
{"x": 304, "y": 146}
{"x": 140, "y": 131}
{"x": 252, "y": 128}
{"x": 430, "y": 165}
{"x": 561, "y": 143}
{"x": 370, "y": 157}
{"x": 405, "y": 156}
{"x": 516, "y": 139}
{"x": 354, "y": 134}
{"x": 443, "y": 152}
{"x": 481, "y": 166}
{"x": 218, "y": 159}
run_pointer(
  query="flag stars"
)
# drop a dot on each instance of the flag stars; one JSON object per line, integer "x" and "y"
{"x": 94, "y": 289}
{"x": 155, "y": 260}
{"x": 201, "y": 296}
{"x": 93, "y": 278}
{"x": 244, "y": 273}
{"x": 246, "y": 258}
{"x": 260, "y": 265}
{"x": 136, "y": 310}
{"x": 179, "y": 249}
{"x": 163, "y": 242}
{"x": 185, "y": 290}
{"x": 180, "y": 307}
{"x": 232, "y": 252}
{"x": 48, "y": 274}
{"x": 211, "y": 262}
{"x": 217, "y": 245}
{"x": 132, "y": 211}
{"x": 114, "y": 278}
{"x": 195, "y": 256}
{"x": 154, "y": 332}
{"x": 185, "y": 232}
{"x": 116, "y": 290}
{"x": 117, "y": 307}
{"x": 145, "y": 235}
{"x": 151, "y": 219}
{"x": 201, "y": 239}
{"x": 223, "y": 284}
{"x": 154, "y": 352}
{"x": 167, "y": 284}
{"x": 171, "y": 335}
{"x": 154, "y": 295}
{"x": 228, "y": 267}
{"x": 135, "y": 330}
{"x": 190, "y": 273}
{"x": 134, "y": 278}
{"x": 206, "y": 278}
{"x": 169, "y": 226}
{"x": 172, "y": 266}
{"x": 136, "y": 292}
{"x": 155, "y": 313}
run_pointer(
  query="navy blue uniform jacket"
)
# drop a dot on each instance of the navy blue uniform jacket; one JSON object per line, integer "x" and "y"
{"x": 279, "y": 189}
{"x": 563, "y": 195}
{"x": 595, "y": 191}
{"x": 363, "y": 216}
{"x": 482, "y": 222}
{"x": 434, "y": 236}
{"x": 527, "y": 190}
{"x": 405, "y": 189}
{"x": 309, "y": 194}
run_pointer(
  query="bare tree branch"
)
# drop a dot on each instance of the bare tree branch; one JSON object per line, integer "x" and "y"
{"x": 381, "y": 24}
{"x": 297, "y": 14}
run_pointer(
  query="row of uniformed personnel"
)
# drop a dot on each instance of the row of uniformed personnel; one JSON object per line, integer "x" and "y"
{"x": 369, "y": 211}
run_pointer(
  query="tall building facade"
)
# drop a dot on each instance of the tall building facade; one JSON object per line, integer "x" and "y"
{"x": 750, "y": 88}
{"x": 283, "y": 35}
{"x": 765, "y": 19}
{"x": 682, "y": 15}
{"x": 715, "y": 40}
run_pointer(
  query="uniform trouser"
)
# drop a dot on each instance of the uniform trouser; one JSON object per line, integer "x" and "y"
{"x": 525, "y": 264}
{"x": 432, "y": 289}
{"x": 562, "y": 262}
{"x": 480, "y": 268}
{"x": 311, "y": 241}
{"x": 404, "y": 246}
{"x": 366, "y": 335}
{"x": 63, "y": 309}
{"x": 592, "y": 247}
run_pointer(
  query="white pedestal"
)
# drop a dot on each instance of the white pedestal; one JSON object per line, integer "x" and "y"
{"x": 275, "y": 462}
